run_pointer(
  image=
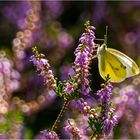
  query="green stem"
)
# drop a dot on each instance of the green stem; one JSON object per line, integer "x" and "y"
{"x": 64, "y": 107}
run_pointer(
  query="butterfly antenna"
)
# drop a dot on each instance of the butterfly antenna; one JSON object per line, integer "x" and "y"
{"x": 105, "y": 36}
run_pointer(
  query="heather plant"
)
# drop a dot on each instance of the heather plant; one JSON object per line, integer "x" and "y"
{"x": 100, "y": 116}
{"x": 67, "y": 99}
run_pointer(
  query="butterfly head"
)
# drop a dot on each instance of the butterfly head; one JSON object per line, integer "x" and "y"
{"x": 101, "y": 49}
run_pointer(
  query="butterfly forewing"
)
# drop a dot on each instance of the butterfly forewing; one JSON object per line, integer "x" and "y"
{"x": 131, "y": 67}
{"x": 109, "y": 64}
{"x": 115, "y": 68}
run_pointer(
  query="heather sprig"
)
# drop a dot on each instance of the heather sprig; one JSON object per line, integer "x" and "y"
{"x": 68, "y": 90}
{"x": 106, "y": 118}
{"x": 45, "y": 135}
{"x": 73, "y": 130}
{"x": 82, "y": 106}
{"x": 84, "y": 55}
{"x": 104, "y": 98}
{"x": 43, "y": 67}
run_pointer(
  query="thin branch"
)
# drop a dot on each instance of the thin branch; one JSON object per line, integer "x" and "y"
{"x": 64, "y": 107}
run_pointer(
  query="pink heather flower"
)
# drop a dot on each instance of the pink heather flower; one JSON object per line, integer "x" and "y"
{"x": 107, "y": 113}
{"x": 72, "y": 130}
{"x": 84, "y": 53}
{"x": 69, "y": 89}
{"x": 104, "y": 98}
{"x": 109, "y": 124}
{"x": 43, "y": 67}
{"x": 88, "y": 37}
{"x": 77, "y": 105}
{"x": 47, "y": 135}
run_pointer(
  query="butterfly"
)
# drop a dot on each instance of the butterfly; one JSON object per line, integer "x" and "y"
{"x": 115, "y": 64}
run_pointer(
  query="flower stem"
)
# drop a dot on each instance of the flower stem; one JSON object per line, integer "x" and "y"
{"x": 64, "y": 107}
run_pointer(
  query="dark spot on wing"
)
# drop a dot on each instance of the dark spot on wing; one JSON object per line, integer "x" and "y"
{"x": 123, "y": 66}
{"x": 117, "y": 69}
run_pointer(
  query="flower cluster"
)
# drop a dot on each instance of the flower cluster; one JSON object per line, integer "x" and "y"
{"x": 109, "y": 123}
{"x": 46, "y": 135}
{"x": 107, "y": 113}
{"x": 84, "y": 53}
{"x": 77, "y": 105}
{"x": 72, "y": 130}
{"x": 104, "y": 98}
{"x": 43, "y": 66}
{"x": 82, "y": 106}
{"x": 69, "y": 89}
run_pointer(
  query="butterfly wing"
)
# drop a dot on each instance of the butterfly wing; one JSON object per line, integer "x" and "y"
{"x": 131, "y": 67}
{"x": 110, "y": 64}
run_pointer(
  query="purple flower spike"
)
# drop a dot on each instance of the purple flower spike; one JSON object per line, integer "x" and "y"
{"x": 107, "y": 114}
{"x": 46, "y": 135}
{"x": 104, "y": 98}
{"x": 84, "y": 54}
{"x": 43, "y": 67}
{"x": 109, "y": 124}
{"x": 73, "y": 130}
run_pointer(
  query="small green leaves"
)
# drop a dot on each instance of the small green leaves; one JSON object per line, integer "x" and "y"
{"x": 96, "y": 126}
{"x": 12, "y": 118}
{"x": 68, "y": 90}
{"x": 87, "y": 25}
{"x": 107, "y": 78}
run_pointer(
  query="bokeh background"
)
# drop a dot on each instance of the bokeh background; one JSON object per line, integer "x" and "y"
{"x": 26, "y": 106}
